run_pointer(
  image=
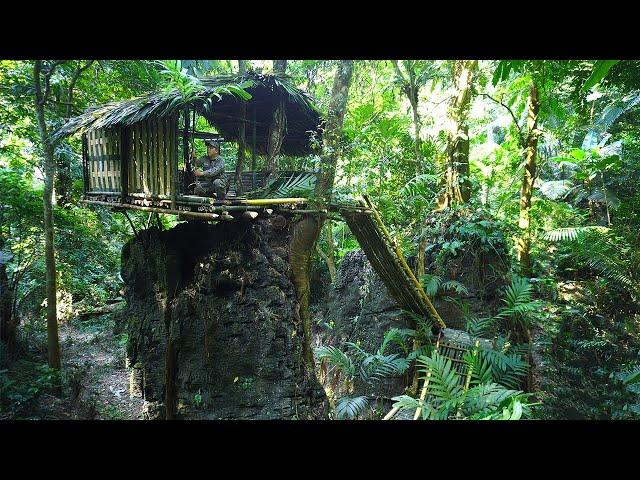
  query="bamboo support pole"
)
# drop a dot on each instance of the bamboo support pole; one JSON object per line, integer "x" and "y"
{"x": 272, "y": 201}
{"x": 197, "y": 215}
{"x": 391, "y": 414}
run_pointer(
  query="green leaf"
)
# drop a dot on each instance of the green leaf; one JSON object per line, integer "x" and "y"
{"x": 632, "y": 378}
{"x": 600, "y": 70}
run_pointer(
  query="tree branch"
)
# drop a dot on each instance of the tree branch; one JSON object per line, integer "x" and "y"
{"x": 47, "y": 78}
{"x": 515, "y": 120}
{"x": 72, "y": 84}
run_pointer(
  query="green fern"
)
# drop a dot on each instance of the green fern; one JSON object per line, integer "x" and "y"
{"x": 287, "y": 186}
{"x": 398, "y": 336}
{"x": 423, "y": 187}
{"x": 336, "y": 358}
{"x": 432, "y": 284}
{"x": 604, "y": 251}
{"x": 350, "y": 407}
{"x": 518, "y": 301}
{"x": 485, "y": 399}
{"x": 571, "y": 233}
{"x": 478, "y": 327}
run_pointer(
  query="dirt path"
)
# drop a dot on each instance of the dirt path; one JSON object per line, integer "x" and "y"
{"x": 94, "y": 360}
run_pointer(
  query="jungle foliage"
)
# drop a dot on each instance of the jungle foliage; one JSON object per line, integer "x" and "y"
{"x": 576, "y": 308}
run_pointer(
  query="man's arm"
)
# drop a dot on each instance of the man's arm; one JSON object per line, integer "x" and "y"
{"x": 216, "y": 170}
{"x": 198, "y": 165}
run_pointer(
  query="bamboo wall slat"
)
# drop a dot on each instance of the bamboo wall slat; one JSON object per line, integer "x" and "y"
{"x": 151, "y": 153}
{"x": 103, "y": 160}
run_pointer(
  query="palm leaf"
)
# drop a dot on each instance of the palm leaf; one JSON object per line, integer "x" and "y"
{"x": 350, "y": 407}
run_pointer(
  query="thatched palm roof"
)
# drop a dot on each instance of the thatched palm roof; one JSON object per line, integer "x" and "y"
{"x": 218, "y": 100}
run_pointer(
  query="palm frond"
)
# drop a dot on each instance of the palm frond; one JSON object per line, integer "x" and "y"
{"x": 444, "y": 381}
{"x": 350, "y": 407}
{"x": 397, "y": 336}
{"x": 423, "y": 186}
{"x": 571, "y": 233}
{"x": 287, "y": 186}
{"x": 456, "y": 286}
{"x": 337, "y": 358}
{"x": 518, "y": 300}
{"x": 477, "y": 327}
{"x": 431, "y": 284}
{"x": 601, "y": 249}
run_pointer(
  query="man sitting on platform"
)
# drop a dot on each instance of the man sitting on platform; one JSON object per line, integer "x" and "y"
{"x": 209, "y": 173}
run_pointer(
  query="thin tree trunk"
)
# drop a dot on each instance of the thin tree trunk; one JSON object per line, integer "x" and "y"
{"x": 242, "y": 138}
{"x": 531, "y": 147}
{"x": 64, "y": 179}
{"x": 278, "y": 126}
{"x": 279, "y": 66}
{"x": 307, "y": 231}
{"x": 331, "y": 150}
{"x": 276, "y": 136}
{"x": 457, "y": 183}
{"x": 416, "y": 130}
{"x": 329, "y": 257}
{"x": 53, "y": 344}
{"x": 7, "y": 322}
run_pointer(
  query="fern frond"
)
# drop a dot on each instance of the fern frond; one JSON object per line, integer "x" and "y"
{"x": 571, "y": 233}
{"x": 397, "y": 336}
{"x": 337, "y": 358}
{"x": 423, "y": 187}
{"x": 350, "y": 407}
{"x": 444, "y": 381}
{"x": 477, "y": 327}
{"x": 431, "y": 284}
{"x": 457, "y": 286}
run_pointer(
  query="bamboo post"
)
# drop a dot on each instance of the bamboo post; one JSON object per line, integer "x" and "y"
{"x": 391, "y": 414}
{"x": 124, "y": 164}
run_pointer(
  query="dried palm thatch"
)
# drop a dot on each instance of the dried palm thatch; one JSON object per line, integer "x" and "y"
{"x": 218, "y": 99}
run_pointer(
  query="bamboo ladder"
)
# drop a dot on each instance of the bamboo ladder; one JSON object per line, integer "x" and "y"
{"x": 387, "y": 260}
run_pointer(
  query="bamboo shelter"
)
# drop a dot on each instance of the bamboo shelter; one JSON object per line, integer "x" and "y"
{"x": 137, "y": 153}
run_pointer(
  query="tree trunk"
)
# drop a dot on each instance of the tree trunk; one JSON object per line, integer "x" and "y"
{"x": 279, "y": 66}
{"x": 64, "y": 178}
{"x": 276, "y": 135}
{"x": 329, "y": 257}
{"x": 7, "y": 323}
{"x": 242, "y": 138}
{"x": 528, "y": 179}
{"x": 416, "y": 129}
{"x": 333, "y": 130}
{"x": 278, "y": 127}
{"x": 308, "y": 230}
{"x": 457, "y": 184}
{"x": 53, "y": 345}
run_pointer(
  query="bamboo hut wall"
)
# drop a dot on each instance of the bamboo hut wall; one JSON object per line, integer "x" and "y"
{"x": 152, "y": 152}
{"x": 103, "y": 160}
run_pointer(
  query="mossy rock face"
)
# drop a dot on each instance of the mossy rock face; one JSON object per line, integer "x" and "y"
{"x": 213, "y": 315}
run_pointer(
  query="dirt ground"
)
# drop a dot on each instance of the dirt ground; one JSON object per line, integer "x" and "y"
{"x": 97, "y": 380}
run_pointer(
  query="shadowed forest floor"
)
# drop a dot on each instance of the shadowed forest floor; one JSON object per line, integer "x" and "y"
{"x": 97, "y": 380}
{"x": 96, "y": 356}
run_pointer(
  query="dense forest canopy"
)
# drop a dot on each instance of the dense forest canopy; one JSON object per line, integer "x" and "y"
{"x": 527, "y": 167}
